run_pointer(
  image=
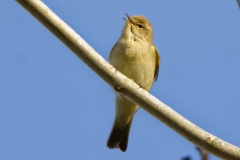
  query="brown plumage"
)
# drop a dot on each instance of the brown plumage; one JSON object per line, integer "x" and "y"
{"x": 135, "y": 56}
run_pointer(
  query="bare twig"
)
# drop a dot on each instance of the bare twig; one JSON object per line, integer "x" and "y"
{"x": 238, "y": 1}
{"x": 129, "y": 89}
{"x": 186, "y": 158}
{"x": 203, "y": 153}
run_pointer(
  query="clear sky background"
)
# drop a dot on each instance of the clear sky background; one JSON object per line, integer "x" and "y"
{"x": 52, "y": 106}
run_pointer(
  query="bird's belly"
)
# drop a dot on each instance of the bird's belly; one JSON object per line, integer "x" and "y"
{"x": 137, "y": 63}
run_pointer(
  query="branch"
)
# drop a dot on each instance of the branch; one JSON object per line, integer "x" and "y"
{"x": 128, "y": 88}
{"x": 238, "y": 1}
{"x": 203, "y": 153}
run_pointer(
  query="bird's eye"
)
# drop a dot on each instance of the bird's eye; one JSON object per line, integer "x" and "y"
{"x": 140, "y": 26}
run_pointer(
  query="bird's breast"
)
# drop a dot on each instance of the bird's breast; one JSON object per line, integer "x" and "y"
{"x": 136, "y": 60}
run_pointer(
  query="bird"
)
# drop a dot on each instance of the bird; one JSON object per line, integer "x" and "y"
{"x": 135, "y": 56}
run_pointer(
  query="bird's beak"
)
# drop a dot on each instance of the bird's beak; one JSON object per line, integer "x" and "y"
{"x": 129, "y": 20}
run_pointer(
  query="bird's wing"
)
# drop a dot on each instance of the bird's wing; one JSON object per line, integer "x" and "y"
{"x": 111, "y": 51}
{"x": 158, "y": 60}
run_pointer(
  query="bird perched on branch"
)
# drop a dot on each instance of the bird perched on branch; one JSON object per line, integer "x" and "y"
{"x": 135, "y": 56}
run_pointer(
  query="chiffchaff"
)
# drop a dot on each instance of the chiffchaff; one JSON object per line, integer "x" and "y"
{"x": 135, "y": 56}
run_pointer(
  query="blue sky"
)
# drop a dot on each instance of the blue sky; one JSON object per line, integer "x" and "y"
{"x": 52, "y": 106}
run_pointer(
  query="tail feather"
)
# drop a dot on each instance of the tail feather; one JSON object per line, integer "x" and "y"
{"x": 119, "y": 137}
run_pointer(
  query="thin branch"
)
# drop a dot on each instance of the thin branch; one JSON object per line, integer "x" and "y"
{"x": 128, "y": 88}
{"x": 238, "y": 1}
{"x": 186, "y": 158}
{"x": 203, "y": 153}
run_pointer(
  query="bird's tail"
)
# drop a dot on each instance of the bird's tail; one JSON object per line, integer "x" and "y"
{"x": 119, "y": 137}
